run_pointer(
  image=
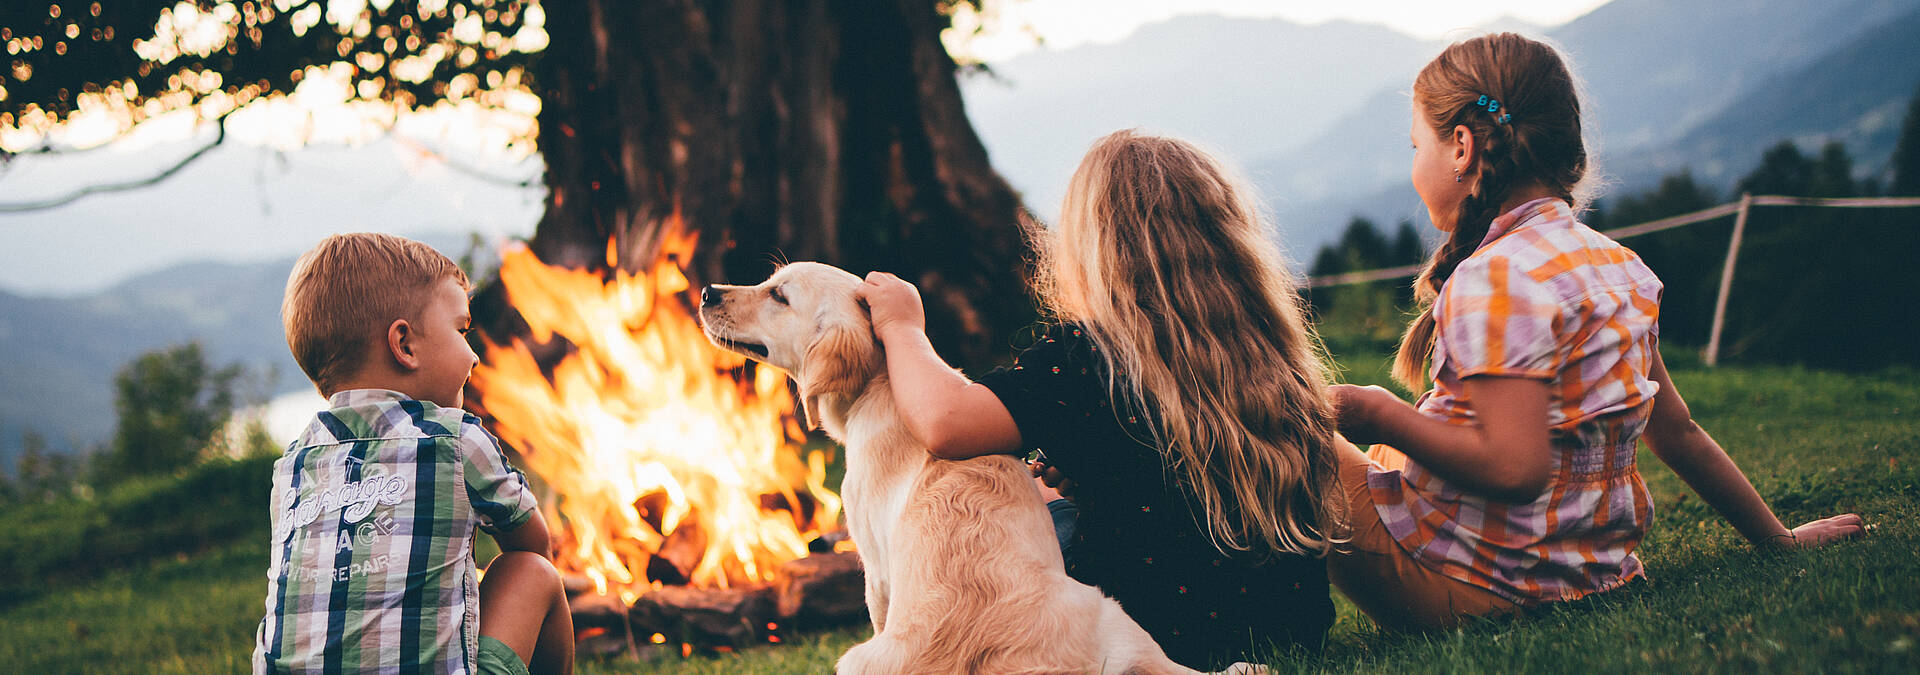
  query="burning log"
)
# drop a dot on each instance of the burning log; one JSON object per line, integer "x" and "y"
{"x": 593, "y": 610}
{"x": 600, "y": 625}
{"x": 802, "y": 513}
{"x": 817, "y": 591}
{"x": 652, "y": 509}
{"x": 575, "y": 585}
{"x": 673, "y": 564}
{"x": 824, "y": 589}
{"x": 705, "y": 617}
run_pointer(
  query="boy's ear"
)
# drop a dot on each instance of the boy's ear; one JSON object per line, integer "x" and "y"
{"x": 400, "y": 338}
{"x": 840, "y": 362}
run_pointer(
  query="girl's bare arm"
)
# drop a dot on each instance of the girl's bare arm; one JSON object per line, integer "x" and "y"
{"x": 1699, "y": 461}
{"x": 1505, "y": 454}
{"x": 953, "y": 416}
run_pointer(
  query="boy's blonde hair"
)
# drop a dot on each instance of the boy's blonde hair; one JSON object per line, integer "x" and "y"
{"x": 1161, "y": 257}
{"x": 344, "y": 293}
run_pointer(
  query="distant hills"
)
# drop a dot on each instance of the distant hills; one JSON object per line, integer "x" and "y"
{"x": 1669, "y": 84}
{"x": 1244, "y": 87}
{"x": 60, "y": 354}
{"x": 1318, "y": 115}
{"x": 1856, "y": 94}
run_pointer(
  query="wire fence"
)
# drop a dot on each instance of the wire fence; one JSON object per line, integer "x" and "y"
{"x": 1737, "y": 209}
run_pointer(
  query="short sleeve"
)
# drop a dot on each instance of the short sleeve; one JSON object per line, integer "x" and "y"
{"x": 1048, "y": 387}
{"x": 1495, "y": 319}
{"x": 497, "y": 491}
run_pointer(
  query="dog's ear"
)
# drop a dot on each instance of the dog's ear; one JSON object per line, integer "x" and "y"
{"x": 841, "y": 362}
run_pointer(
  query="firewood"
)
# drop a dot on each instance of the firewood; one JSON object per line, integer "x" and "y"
{"x": 652, "y": 508}
{"x": 823, "y": 589}
{"x": 802, "y": 515}
{"x": 673, "y": 565}
{"x": 704, "y": 617}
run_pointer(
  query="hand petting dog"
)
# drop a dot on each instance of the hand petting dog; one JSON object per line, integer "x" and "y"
{"x": 893, "y": 304}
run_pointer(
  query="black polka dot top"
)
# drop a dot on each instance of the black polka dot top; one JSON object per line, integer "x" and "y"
{"x": 1137, "y": 538}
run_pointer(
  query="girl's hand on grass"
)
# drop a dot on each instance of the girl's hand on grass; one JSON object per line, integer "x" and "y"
{"x": 892, "y": 303}
{"x": 1818, "y": 533}
{"x": 1356, "y": 407}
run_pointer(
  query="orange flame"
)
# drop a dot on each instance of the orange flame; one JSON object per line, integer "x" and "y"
{"x": 646, "y": 437}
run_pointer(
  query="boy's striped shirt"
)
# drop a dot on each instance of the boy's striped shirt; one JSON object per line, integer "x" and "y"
{"x": 374, "y": 509}
{"x": 1548, "y": 298}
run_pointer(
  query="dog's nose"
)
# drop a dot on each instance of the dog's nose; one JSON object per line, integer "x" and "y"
{"x": 709, "y": 296}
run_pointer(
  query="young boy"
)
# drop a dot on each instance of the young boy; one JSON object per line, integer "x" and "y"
{"x": 374, "y": 506}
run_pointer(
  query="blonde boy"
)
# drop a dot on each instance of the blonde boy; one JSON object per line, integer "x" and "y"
{"x": 374, "y": 507}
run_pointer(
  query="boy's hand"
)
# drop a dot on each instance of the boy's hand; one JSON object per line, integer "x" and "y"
{"x": 893, "y": 304}
{"x": 1355, "y": 407}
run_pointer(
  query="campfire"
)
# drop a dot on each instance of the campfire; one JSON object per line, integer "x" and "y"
{"x": 671, "y": 471}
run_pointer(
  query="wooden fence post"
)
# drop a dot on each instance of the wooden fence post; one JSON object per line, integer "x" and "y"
{"x": 1726, "y": 279}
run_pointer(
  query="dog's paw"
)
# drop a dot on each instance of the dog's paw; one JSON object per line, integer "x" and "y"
{"x": 1244, "y": 668}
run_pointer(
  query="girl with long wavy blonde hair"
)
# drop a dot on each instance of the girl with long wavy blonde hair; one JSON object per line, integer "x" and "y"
{"x": 1179, "y": 387}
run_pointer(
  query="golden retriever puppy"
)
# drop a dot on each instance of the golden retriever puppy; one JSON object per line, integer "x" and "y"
{"x": 962, "y": 570}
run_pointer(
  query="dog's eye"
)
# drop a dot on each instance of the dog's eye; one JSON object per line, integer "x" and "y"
{"x": 777, "y": 295}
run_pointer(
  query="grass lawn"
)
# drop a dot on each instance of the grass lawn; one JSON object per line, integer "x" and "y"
{"x": 184, "y": 615}
{"x": 1816, "y": 443}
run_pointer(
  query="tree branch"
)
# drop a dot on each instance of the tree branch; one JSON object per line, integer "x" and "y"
{"x": 475, "y": 172}
{"x": 46, "y": 147}
{"x": 220, "y": 123}
{"x": 219, "y": 139}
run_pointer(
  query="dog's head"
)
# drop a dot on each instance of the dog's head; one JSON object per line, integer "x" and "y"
{"x": 804, "y": 320}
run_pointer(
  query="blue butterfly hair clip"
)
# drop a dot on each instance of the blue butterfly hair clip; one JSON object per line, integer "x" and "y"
{"x": 1493, "y": 107}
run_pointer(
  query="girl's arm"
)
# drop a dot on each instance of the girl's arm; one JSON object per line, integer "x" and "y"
{"x": 1688, "y": 450}
{"x": 1504, "y": 454}
{"x": 951, "y": 415}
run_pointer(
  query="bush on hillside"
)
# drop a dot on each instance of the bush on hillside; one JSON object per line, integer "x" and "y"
{"x": 170, "y": 403}
{"x": 135, "y": 521}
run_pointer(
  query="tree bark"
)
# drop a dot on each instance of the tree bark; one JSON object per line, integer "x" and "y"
{"x": 778, "y": 130}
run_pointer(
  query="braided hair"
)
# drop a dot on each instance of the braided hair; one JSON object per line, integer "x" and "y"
{"x": 1531, "y": 136}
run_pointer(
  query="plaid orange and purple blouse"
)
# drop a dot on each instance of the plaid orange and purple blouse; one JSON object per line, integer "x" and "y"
{"x": 1544, "y": 297}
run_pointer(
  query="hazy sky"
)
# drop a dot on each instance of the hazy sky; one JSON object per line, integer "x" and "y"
{"x": 1067, "y": 23}
{"x": 251, "y": 201}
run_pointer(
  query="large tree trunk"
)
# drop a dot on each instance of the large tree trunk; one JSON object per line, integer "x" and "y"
{"x": 829, "y": 131}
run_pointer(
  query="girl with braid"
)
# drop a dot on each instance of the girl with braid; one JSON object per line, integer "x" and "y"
{"x": 1511, "y": 482}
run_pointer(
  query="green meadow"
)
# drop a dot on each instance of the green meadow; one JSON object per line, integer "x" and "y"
{"x": 1817, "y": 443}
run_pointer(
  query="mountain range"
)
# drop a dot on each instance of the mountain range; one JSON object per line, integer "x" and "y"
{"x": 1698, "y": 85}
{"x": 1241, "y": 87}
{"x": 1318, "y": 115}
{"x": 61, "y": 354}
{"x": 1855, "y": 94}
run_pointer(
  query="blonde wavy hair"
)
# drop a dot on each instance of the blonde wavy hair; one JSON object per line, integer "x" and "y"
{"x": 1160, "y": 255}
